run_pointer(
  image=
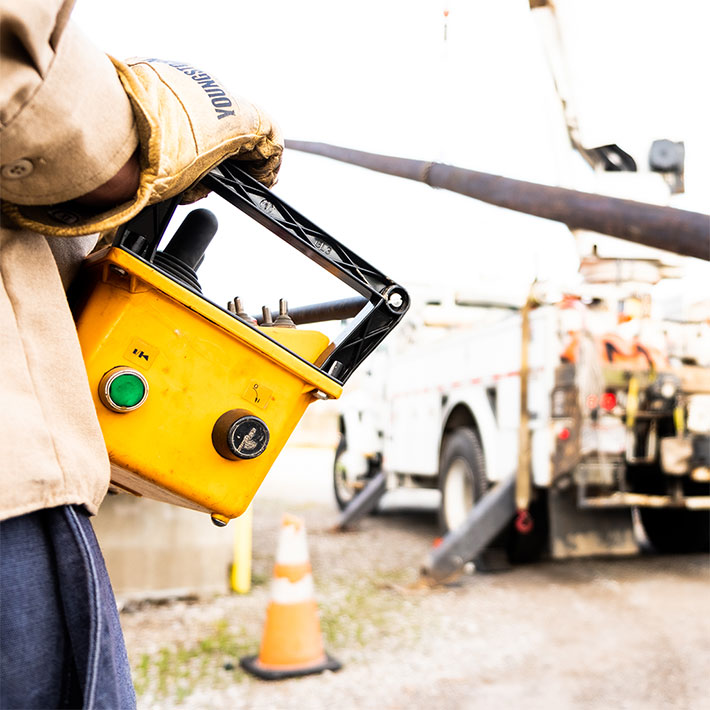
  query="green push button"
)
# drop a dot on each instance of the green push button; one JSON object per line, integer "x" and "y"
{"x": 126, "y": 390}
{"x": 123, "y": 389}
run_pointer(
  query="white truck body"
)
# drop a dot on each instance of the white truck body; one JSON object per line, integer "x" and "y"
{"x": 430, "y": 381}
{"x": 476, "y": 368}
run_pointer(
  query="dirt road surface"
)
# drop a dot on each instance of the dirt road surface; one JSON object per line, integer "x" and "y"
{"x": 623, "y": 634}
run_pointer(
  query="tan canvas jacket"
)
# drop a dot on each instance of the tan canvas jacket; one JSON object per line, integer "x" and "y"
{"x": 66, "y": 127}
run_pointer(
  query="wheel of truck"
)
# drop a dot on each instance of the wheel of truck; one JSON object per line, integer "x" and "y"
{"x": 345, "y": 490}
{"x": 671, "y": 530}
{"x": 676, "y": 530}
{"x": 462, "y": 477}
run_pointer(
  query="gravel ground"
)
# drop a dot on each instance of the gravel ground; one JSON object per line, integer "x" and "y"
{"x": 583, "y": 634}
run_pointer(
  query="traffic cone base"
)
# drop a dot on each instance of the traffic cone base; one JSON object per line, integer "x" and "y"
{"x": 291, "y": 643}
{"x": 252, "y": 665}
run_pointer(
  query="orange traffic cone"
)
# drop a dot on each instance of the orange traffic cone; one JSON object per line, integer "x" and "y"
{"x": 291, "y": 643}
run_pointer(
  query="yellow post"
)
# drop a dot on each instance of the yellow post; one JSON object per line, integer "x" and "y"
{"x": 632, "y": 402}
{"x": 240, "y": 578}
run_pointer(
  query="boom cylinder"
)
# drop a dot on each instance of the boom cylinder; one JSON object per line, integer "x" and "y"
{"x": 679, "y": 231}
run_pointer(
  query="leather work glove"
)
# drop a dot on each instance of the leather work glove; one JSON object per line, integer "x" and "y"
{"x": 187, "y": 124}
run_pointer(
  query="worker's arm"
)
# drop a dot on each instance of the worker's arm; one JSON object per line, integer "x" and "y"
{"x": 66, "y": 123}
{"x": 120, "y": 188}
{"x": 73, "y": 122}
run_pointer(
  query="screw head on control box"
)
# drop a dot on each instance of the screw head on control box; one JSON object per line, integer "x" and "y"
{"x": 238, "y": 434}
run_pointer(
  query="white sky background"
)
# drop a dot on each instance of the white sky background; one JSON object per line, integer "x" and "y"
{"x": 378, "y": 76}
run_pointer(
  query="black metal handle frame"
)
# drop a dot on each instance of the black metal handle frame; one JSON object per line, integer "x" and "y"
{"x": 386, "y": 302}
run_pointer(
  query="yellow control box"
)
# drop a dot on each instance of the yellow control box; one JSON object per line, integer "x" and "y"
{"x": 195, "y": 402}
{"x": 204, "y": 400}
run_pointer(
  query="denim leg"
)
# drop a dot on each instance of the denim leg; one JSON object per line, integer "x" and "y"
{"x": 61, "y": 640}
{"x": 91, "y": 615}
{"x": 35, "y": 659}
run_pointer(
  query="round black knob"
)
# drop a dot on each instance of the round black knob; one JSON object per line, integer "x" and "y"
{"x": 237, "y": 434}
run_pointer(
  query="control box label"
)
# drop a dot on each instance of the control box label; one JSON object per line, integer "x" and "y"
{"x": 141, "y": 353}
{"x": 258, "y": 395}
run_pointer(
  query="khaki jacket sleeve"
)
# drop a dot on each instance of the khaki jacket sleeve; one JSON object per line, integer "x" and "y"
{"x": 66, "y": 124}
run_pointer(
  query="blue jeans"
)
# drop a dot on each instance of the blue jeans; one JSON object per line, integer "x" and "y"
{"x": 61, "y": 644}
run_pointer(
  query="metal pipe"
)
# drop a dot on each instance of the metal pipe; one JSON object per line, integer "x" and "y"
{"x": 319, "y": 312}
{"x": 678, "y": 231}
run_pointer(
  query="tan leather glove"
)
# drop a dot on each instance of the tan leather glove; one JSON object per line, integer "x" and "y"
{"x": 187, "y": 123}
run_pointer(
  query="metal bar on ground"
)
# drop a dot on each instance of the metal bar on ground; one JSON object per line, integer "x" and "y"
{"x": 364, "y": 502}
{"x": 484, "y": 521}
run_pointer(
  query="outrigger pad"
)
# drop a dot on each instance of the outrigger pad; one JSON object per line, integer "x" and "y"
{"x": 251, "y": 665}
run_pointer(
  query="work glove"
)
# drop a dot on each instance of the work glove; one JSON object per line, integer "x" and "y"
{"x": 187, "y": 124}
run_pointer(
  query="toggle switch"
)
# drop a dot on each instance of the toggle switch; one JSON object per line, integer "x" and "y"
{"x": 236, "y": 307}
{"x": 237, "y": 434}
{"x": 283, "y": 320}
{"x": 123, "y": 389}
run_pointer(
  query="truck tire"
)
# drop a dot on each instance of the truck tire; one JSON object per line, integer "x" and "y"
{"x": 343, "y": 489}
{"x": 676, "y": 530}
{"x": 462, "y": 477}
{"x": 672, "y": 530}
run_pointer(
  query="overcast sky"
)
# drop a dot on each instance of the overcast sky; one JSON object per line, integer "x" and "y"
{"x": 379, "y": 76}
